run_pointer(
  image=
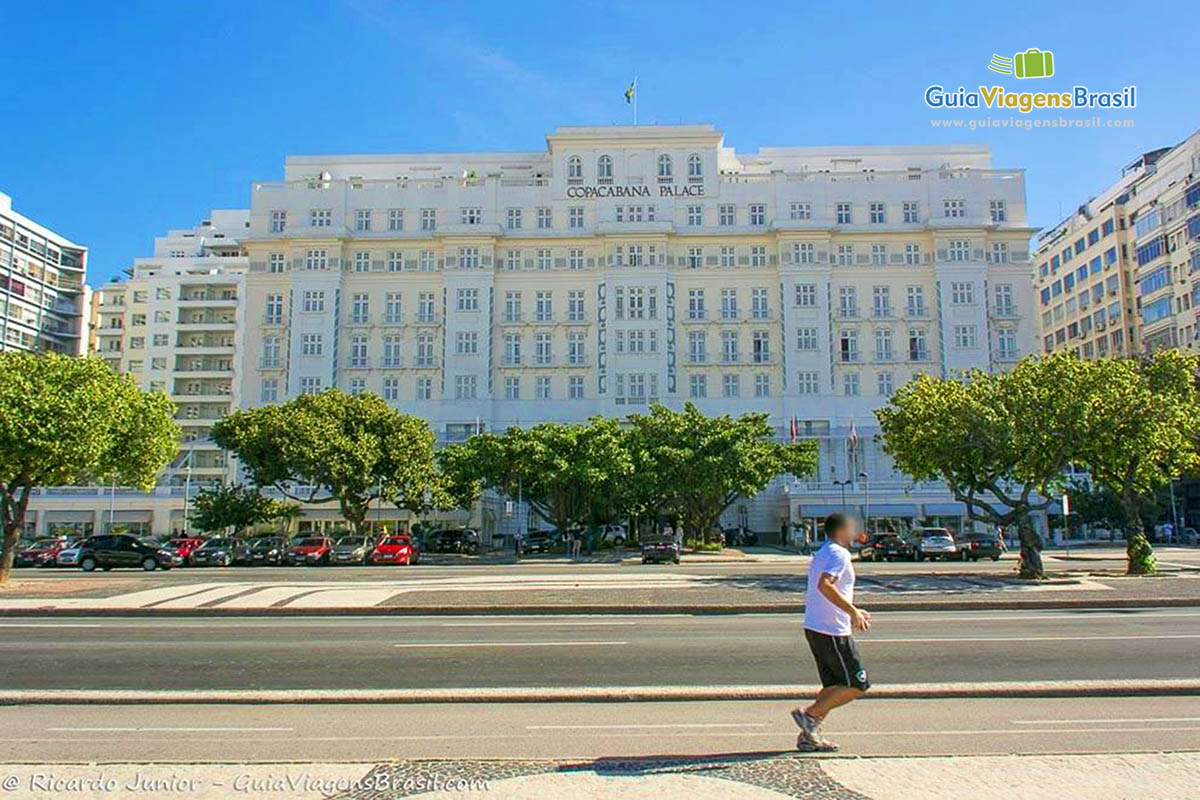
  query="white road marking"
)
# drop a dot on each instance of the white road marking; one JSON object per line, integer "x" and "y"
{"x": 171, "y": 730}
{"x": 665, "y": 725}
{"x": 1022, "y": 732}
{"x": 870, "y": 639}
{"x": 574, "y": 623}
{"x": 509, "y": 644}
{"x": 53, "y": 625}
{"x": 1102, "y": 720}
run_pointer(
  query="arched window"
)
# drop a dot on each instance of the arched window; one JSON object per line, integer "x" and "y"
{"x": 604, "y": 167}
{"x": 695, "y": 166}
{"x": 574, "y": 167}
{"x": 664, "y": 166}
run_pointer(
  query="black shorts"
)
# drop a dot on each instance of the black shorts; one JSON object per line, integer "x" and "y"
{"x": 838, "y": 660}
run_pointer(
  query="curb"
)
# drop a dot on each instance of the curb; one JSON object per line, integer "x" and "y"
{"x": 1013, "y": 604}
{"x": 1161, "y": 687}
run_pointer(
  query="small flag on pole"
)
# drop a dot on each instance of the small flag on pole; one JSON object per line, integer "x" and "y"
{"x": 795, "y": 428}
{"x": 631, "y": 91}
{"x": 853, "y": 435}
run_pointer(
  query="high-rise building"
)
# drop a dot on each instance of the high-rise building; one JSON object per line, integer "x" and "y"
{"x": 1114, "y": 278}
{"x": 174, "y": 324}
{"x": 1166, "y": 247}
{"x": 43, "y": 297}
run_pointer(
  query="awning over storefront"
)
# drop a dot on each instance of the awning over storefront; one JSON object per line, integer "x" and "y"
{"x": 893, "y": 510}
{"x": 71, "y": 516}
{"x": 129, "y": 516}
{"x": 945, "y": 509}
{"x": 821, "y": 510}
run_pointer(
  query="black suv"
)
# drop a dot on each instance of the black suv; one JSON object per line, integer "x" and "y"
{"x": 123, "y": 550}
{"x": 461, "y": 540}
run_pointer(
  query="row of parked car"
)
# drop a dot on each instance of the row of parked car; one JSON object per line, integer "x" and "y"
{"x": 107, "y": 551}
{"x": 932, "y": 544}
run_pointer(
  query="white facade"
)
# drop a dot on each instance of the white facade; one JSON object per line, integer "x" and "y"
{"x": 628, "y": 265}
{"x": 43, "y": 298}
{"x": 617, "y": 267}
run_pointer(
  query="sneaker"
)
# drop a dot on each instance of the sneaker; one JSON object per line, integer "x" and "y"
{"x": 810, "y": 730}
{"x": 806, "y": 745}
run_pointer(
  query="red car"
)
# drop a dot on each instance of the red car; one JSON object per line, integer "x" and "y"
{"x": 396, "y": 550}
{"x": 185, "y": 546}
{"x": 311, "y": 550}
{"x": 42, "y": 553}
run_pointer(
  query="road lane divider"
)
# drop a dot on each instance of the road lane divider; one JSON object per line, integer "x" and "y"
{"x": 1124, "y": 687}
{"x": 508, "y": 644}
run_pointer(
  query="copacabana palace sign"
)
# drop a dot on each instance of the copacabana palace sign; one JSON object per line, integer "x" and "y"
{"x": 665, "y": 190}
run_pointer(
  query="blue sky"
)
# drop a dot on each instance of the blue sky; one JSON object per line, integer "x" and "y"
{"x": 125, "y": 119}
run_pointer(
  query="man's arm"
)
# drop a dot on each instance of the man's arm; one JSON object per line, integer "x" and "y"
{"x": 859, "y": 619}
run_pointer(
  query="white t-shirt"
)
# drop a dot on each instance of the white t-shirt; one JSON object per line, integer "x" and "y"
{"x": 819, "y": 614}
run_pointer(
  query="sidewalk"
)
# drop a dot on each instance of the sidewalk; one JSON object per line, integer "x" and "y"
{"x": 1147, "y": 776}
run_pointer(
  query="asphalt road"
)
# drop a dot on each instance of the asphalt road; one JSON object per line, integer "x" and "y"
{"x": 216, "y": 733}
{"x": 441, "y": 652}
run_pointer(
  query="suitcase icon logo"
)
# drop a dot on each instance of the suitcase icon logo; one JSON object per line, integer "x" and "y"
{"x": 1033, "y": 63}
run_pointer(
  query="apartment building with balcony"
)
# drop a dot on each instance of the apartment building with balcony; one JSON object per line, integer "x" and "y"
{"x": 174, "y": 324}
{"x": 1121, "y": 275}
{"x": 1165, "y": 221}
{"x": 621, "y": 266}
{"x": 43, "y": 294}
{"x": 1086, "y": 282}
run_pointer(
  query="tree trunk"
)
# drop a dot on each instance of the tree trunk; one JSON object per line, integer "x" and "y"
{"x": 12, "y": 534}
{"x": 1031, "y": 549}
{"x": 1139, "y": 555}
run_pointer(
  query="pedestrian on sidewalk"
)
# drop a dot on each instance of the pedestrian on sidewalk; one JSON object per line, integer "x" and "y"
{"x": 830, "y": 619}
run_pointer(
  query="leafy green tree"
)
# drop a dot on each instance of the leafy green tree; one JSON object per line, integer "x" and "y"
{"x": 238, "y": 507}
{"x": 333, "y": 447}
{"x": 1000, "y": 442}
{"x": 67, "y": 420}
{"x": 562, "y": 470}
{"x": 1143, "y": 416}
{"x": 693, "y": 466}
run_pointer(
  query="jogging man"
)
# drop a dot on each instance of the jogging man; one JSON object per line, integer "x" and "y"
{"x": 830, "y": 618}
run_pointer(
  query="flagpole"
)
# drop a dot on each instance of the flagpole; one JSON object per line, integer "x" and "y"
{"x": 635, "y": 100}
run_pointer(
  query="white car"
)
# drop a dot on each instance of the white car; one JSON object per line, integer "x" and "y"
{"x": 67, "y": 557}
{"x": 614, "y": 534}
{"x": 934, "y": 543}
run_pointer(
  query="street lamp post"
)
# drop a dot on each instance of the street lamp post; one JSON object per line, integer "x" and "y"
{"x": 1176, "y": 530}
{"x": 187, "y": 494}
{"x": 843, "y": 485}
{"x": 866, "y": 500}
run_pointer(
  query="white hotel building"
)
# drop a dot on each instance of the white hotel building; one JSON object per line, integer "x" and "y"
{"x": 618, "y": 267}
{"x": 623, "y": 266}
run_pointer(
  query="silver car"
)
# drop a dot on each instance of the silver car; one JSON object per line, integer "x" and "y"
{"x": 935, "y": 543}
{"x": 352, "y": 550}
{"x": 67, "y": 557}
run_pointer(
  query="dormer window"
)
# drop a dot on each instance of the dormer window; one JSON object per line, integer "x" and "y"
{"x": 665, "y": 170}
{"x": 695, "y": 167}
{"x": 604, "y": 170}
{"x": 575, "y": 169}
